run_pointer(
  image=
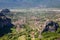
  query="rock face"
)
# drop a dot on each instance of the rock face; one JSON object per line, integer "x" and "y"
{"x": 51, "y": 26}
{"x": 5, "y": 24}
{"x": 5, "y": 11}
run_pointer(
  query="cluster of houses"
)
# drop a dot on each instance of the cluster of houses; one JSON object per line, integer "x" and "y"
{"x": 35, "y": 23}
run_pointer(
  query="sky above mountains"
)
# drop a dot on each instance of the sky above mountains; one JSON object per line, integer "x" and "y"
{"x": 29, "y": 4}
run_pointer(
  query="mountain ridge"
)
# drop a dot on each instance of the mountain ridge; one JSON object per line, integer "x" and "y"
{"x": 29, "y": 3}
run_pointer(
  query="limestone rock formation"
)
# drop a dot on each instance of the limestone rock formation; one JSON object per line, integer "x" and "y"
{"x": 51, "y": 26}
{"x": 5, "y": 24}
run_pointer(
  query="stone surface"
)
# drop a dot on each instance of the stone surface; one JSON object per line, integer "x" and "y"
{"x": 51, "y": 26}
{"x": 5, "y": 24}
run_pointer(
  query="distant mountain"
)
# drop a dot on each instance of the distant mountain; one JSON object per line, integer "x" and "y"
{"x": 29, "y": 3}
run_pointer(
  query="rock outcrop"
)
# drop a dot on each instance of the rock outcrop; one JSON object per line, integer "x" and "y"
{"x": 51, "y": 26}
{"x": 5, "y": 24}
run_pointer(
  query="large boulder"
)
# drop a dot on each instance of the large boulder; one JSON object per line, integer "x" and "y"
{"x": 51, "y": 26}
{"x": 5, "y": 24}
{"x": 5, "y": 11}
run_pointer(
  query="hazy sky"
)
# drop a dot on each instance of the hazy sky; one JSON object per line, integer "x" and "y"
{"x": 29, "y": 3}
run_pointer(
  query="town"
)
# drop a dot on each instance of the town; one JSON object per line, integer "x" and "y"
{"x": 29, "y": 25}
